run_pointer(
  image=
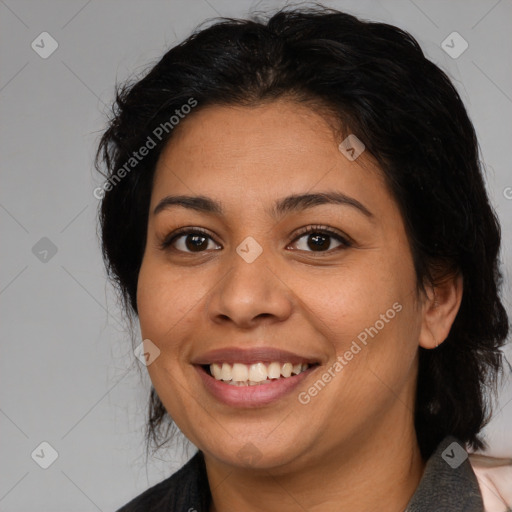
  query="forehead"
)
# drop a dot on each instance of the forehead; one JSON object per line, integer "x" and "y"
{"x": 261, "y": 151}
{"x": 255, "y": 132}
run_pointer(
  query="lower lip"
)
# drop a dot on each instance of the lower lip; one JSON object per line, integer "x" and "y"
{"x": 251, "y": 396}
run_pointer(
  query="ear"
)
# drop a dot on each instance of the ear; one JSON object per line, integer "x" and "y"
{"x": 440, "y": 308}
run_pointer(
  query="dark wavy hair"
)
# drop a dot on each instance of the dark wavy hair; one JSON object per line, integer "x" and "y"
{"x": 376, "y": 81}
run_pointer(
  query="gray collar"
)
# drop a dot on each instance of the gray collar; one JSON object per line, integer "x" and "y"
{"x": 448, "y": 483}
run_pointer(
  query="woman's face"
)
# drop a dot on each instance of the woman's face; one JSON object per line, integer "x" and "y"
{"x": 254, "y": 288}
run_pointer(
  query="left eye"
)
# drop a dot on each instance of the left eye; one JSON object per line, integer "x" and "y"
{"x": 319, "y": 241}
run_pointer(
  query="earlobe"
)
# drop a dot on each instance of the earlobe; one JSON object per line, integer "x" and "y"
{"x": 440, "y": 308}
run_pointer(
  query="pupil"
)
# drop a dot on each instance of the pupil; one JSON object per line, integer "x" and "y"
{"x": 319, "y": 241}
{"x": 196, "y": 242}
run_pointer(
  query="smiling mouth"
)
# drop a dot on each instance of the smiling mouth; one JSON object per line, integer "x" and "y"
{"x": 241, "y": 374}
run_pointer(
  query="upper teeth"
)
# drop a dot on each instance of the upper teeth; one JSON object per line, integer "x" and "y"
{"x": 258, "y": 372}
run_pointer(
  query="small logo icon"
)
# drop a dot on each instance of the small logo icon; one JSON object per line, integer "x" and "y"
{"x": 507, "y": 192}
{"x": 351, "y": 147}
{"x": 146, "y": 352}
{"x": 249, "y": 454}
{"x": 454, "y": 45}
{"x": 44, "y": 455}
{"x": 249, "y": 249}
{"x": 44, "y": 45}
{"x": 44, "y": 250}
{"x": 454, "y": 455}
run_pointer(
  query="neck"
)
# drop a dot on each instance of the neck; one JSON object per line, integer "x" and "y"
{"x": 375, "y": 472}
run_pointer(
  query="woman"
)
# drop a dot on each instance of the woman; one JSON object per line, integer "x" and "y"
{"x": 295, "y": 212}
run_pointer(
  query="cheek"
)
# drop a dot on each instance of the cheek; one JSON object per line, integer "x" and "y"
{"x": 169, "y": 301}
{"x": 367, "y": 314}
{"x": 159, "y": 301}
{"x": 345, "y": 302}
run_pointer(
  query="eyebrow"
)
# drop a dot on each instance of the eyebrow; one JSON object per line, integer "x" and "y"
{"x": 281, "y": 207}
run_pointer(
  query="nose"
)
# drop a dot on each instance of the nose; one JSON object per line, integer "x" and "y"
{"x": 249, "y": 294}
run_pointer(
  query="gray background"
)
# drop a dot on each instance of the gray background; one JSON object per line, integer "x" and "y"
{"x": 68, "y": 373}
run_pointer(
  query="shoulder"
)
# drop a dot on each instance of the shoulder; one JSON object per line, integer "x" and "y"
{"x": 494, "y": 477}
{"x": 184, "y": 490}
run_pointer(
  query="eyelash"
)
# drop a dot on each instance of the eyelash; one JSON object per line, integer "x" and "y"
{"x": 317, "y": 229}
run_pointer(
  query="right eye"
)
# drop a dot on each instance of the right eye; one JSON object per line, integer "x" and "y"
{"x": 189, "y": 241}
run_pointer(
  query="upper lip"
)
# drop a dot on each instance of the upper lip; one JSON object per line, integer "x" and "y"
{"x": 252, "y": 356}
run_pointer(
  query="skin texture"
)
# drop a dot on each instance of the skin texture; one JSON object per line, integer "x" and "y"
{"x": 353, "y": 446}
